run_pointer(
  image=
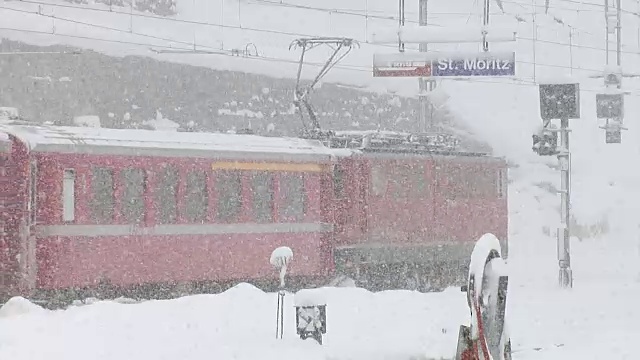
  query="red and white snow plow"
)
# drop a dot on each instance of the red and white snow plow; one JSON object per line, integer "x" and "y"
{"x": 487, "y": 336}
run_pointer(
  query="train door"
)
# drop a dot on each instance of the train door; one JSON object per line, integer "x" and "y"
{"x": 363, "y": 197}
{"x": 339, "y": 206}
{"x": 349, "y": 204}
{"x": 29, "y": 237}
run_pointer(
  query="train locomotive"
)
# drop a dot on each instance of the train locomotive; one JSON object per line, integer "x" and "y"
{"x": 152, "y": 214}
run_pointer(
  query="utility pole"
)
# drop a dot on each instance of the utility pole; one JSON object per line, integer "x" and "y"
{"x": 401, "y": 23}
{"x": 534, "y": 30}
{"x": 614, "y": 26}
{"x": 485, "y": 22}
{"x": 425, "y": 85}
{"x": 619, "y": 33}
{"x": 571, "y": 49}
{"x": 607, "y": 30}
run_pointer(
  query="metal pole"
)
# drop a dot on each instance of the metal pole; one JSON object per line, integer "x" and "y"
{"x": 606, "y": 29}
{"x": 618, "y": 33}
{"x": 485, "y": 22}
{"x": 571, "y": 49}
{"x": 424, "y": 84}
{"x": 535, "y": 37}
{"x": 564, "y": 234}
{"x": 401, "y": 23}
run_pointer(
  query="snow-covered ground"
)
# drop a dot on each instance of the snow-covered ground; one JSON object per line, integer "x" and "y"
{"x": 594, "y": 320}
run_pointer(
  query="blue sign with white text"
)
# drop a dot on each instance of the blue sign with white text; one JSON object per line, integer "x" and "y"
{"x": 481, "y": 65}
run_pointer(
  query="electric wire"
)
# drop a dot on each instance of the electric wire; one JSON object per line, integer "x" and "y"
{"x": 512, "y": 81}
{"x": 260, "y": 30}
{"x": 519, "y": 82}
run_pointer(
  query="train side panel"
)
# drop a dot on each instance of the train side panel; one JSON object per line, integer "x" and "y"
{"x": 423, "y": 215}
{"x": 174, "y": 227}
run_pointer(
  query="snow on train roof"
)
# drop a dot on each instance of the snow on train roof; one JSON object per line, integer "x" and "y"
{"x": 86, "y": 140}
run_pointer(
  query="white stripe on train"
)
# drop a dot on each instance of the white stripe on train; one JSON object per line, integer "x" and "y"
{"x": 180, "y": 229}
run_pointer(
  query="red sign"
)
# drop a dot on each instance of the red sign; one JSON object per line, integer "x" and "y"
{"x": 413, "y": 71}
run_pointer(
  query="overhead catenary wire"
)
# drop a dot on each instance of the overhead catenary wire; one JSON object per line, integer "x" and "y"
{"x": 222, "y": 52}
{"x": 246, "y": 28}
{"x": 261, "y": 30}
{"x": 239, "y": 27}
{"x": 517, "y": 82}
{"x": 253, "y": 29}
{"x": 358, "y": 13}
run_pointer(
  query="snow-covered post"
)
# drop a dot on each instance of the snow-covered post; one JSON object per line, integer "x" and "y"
{"x": 280, "y": 259}
{"x": 311, "y": 314}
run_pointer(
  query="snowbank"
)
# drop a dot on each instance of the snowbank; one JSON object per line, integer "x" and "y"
{"x": 362, "y": 325}
{"x": 19, "y": 306}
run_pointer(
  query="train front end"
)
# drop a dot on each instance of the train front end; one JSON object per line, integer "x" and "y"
{"x": 411, "y": 218}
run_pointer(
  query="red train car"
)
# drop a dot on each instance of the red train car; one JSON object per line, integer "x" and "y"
{"x": 108, "y": 212}
{"x": 415, "y": 212}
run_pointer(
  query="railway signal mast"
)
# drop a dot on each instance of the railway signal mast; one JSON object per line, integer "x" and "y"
{"x": 560, "y": 101}
{"x": 610, "y": 103}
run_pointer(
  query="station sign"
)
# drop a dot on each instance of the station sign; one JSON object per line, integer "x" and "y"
{"x": 444, "y": 65}
{"x": 480, "y": 65}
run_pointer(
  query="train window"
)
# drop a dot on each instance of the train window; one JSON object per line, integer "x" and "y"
{"x": 338, "y": 182}
{"x": 68, "y": 195}
{"x": 378, "y": 180}
{"x": 293, "y": 196}
{"x": 501, "y": 189}
{"x": 33, "y": 194}
{"x": 475, "y": 183}
{"x": 133, "y": 208}
{"x": 400, "y": 180}
{"x": 485, "y": 183}
{"x": 166, "y": 199}
{"x": 197, "y": 197}
{"x": 229, "y": 191}
{"x": 457, "y": 181}
{"x": 103, "y": 197}
{"x": 262, "y": 184}
{"x": 419, "y": 181}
